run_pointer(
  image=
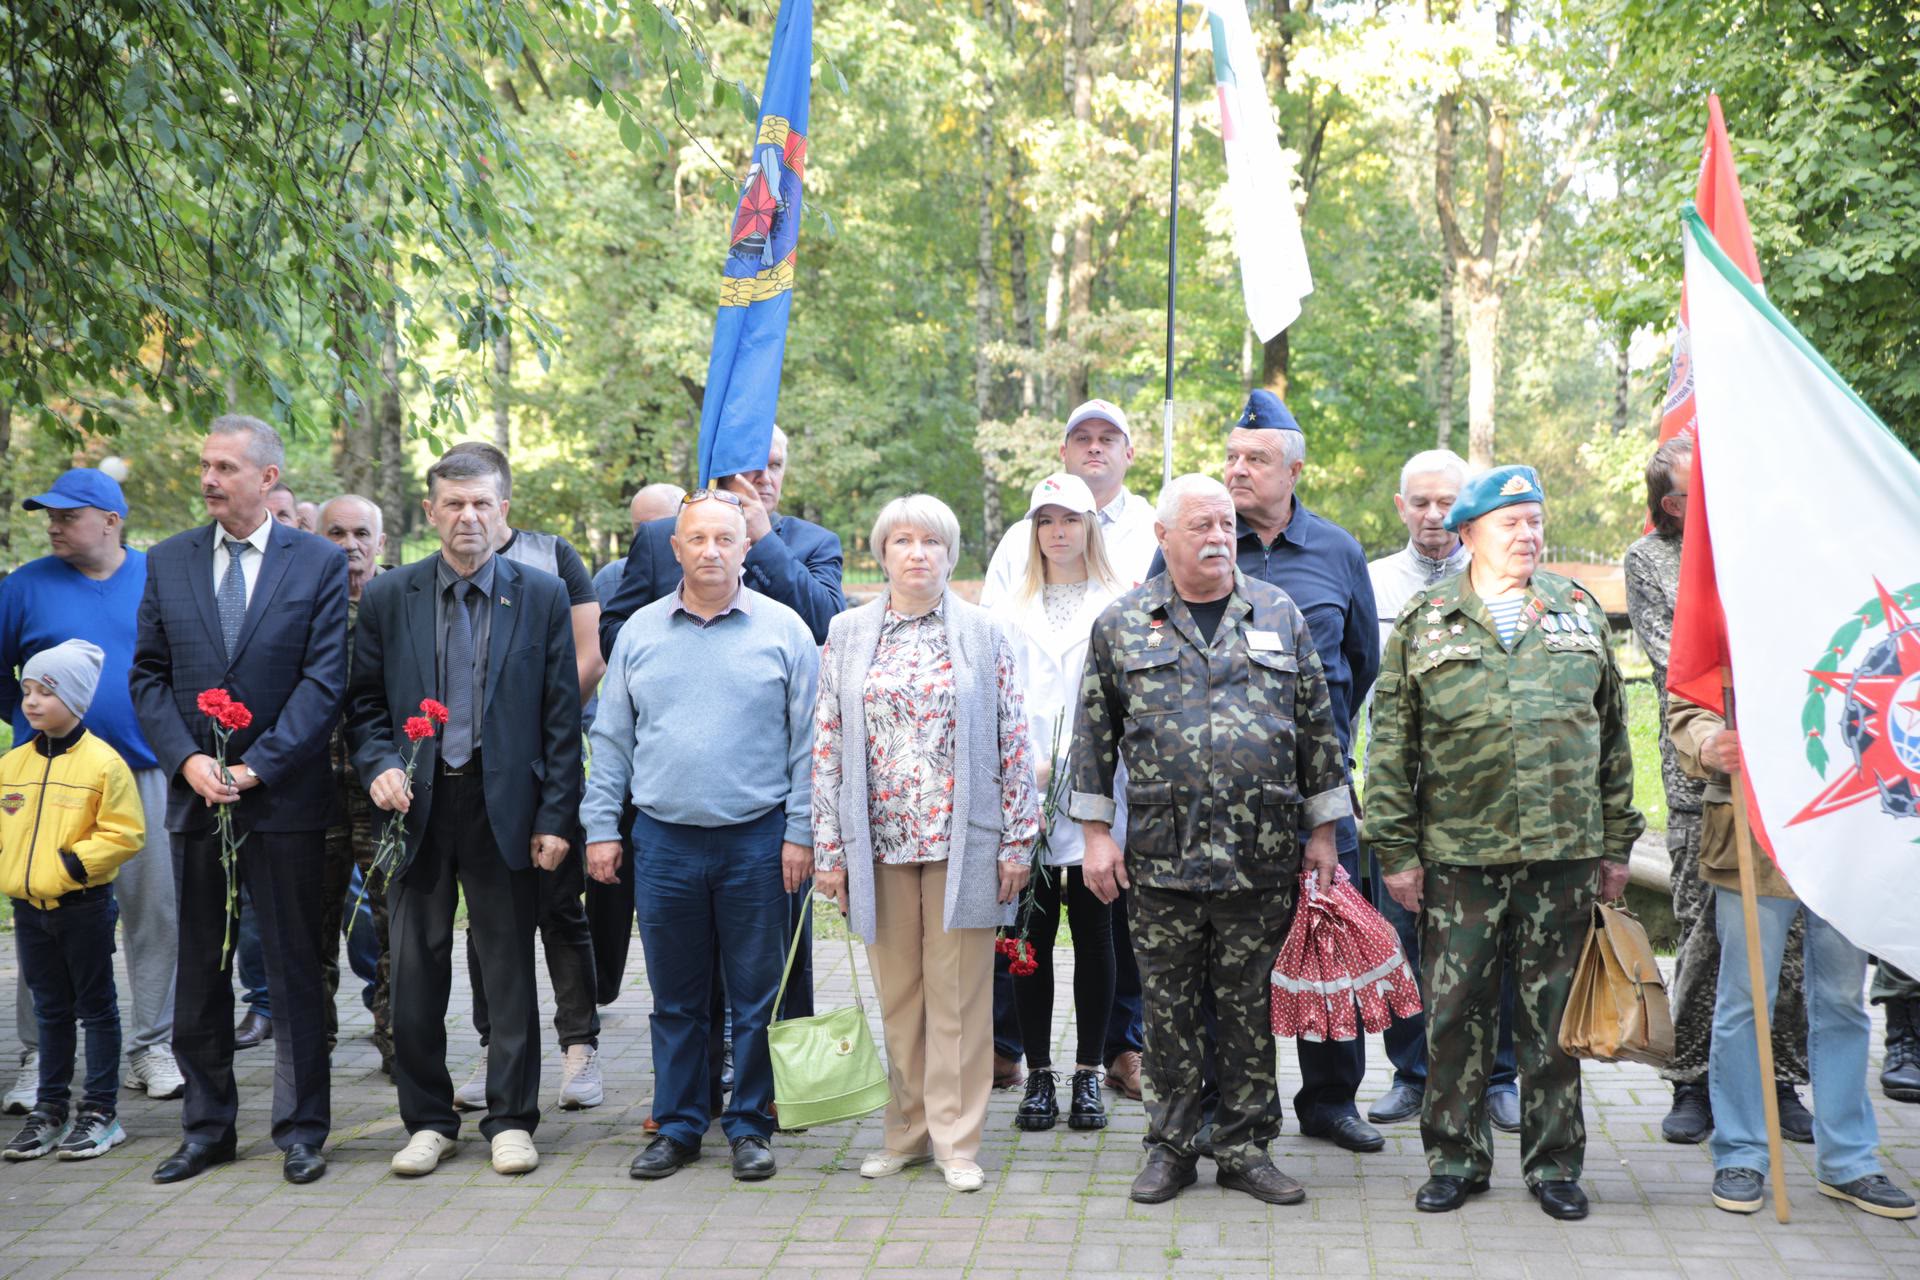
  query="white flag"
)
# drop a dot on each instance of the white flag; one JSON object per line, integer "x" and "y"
{"x": 1813, "y": 509}
{"x": 1266, "y": 228}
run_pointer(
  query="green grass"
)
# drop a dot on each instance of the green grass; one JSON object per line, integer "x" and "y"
{"x": 1643, "y": 728}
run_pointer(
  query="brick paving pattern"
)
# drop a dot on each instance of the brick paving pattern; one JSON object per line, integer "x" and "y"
{"x": 1055, "y": 1204}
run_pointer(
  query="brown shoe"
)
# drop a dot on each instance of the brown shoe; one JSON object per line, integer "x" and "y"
{"x": 1163, "y": 1178}
{"x": 1123, "y": 1075}
{"x": 649, "y": 1125}
{"x": 1007, "y": 1073}
{"x": 1263, "y": 1182}
{"x": 254, "y": 1029}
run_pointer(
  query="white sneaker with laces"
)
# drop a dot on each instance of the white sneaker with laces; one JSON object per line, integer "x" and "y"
{"x": 580, "y": 1084}
{"x": 472, "y": 1096}
{"x": 92, "y": 1135}
{"x": 26, "y": 1085}
{"x": 156, "y": 1071}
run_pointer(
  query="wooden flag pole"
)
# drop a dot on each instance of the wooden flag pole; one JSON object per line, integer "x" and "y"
{"x": 1756, "y": 970}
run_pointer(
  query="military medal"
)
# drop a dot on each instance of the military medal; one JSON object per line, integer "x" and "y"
{"x": 1580, "y": 609}
{"x": 1551, "y": 622}
{"x": 1458, "y": 629}
{"x": 1153, "y": 631}
{"x": 1434, "y": 634}
{"x": 1586, "y": 626}
{"x": 1154, "y": 638}
{"x": 1433, "y": 615}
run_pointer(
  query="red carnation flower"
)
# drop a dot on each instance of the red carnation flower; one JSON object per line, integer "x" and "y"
{"x": 418, "y": 727}
{"x": 211, "y": 701}
{"x": 434, "y": 711}
{"x": 234, "y": 716}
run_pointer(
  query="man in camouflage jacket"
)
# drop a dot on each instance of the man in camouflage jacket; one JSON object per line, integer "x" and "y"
{"x": 1206, "y": 685}
{"x": 1499, "y": 785}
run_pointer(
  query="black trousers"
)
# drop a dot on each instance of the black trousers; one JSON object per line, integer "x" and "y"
{"x": 458, "y": 856}
{"x": 1092, "y": 923}
{"x": 568, "y": 943}
{"x": 283, "y": 872}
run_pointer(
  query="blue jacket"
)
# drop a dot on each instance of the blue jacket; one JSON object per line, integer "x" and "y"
{"x": 799, "y": 566}
{"x": 529, "y": 729}
{"x": 290, "y": 669}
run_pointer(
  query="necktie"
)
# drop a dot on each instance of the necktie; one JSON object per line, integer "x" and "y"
{"x": 457, "y": 747}
{"x": 232, "y": 596}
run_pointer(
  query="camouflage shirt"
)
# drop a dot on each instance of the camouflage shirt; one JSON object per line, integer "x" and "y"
{"x": 1485, "y": 755}
{"x": 1230, "y": 747}
{"x": 1653, "y": 583}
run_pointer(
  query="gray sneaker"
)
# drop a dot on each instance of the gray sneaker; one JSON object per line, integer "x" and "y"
{"x": 1738, "y": 1190}
{"x": 41, "y": 1133}
{"x": 92, "y": 1135}
{"x": 26, "y": 1086}
{"x": 472, "y": 1096}
{"x": 580, "y": 1084}
{"x": 1875, "y": 1193}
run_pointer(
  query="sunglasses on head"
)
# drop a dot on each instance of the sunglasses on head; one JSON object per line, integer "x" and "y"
{"x": 701, "y": 495}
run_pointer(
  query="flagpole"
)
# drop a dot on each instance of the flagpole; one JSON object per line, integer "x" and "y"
{"x": 1173, "y": 246}
{"x": 1756, "y": 970}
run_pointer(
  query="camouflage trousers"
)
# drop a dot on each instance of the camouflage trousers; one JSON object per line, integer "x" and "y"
{"x": 1185, "y": 941}
{"x": 349, "y": 845}
{"x": 1475, "y": 923}
{"x": 1696, "y": 972}
{"x": 1890, "y": 983}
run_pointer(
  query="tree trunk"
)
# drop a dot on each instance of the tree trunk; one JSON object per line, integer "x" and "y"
{"x": 1444, "y": 375}
{"x": 1622, "y": 381}
{"x": 1017, "y": 281}
{"x": 6, "y": 485}
{"x": 1080, "y": 278}
{"x": 1275, "y": 354}
{"x": 1056, "y": 309}
{"x": 389, "y": 440}
{"x": 1483, "y": 353}
{"x": 983, "y": 334}
{"x": 502, "y": 376}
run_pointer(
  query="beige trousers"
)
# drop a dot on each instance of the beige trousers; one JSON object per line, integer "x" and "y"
{"x": 936, "y": 1005}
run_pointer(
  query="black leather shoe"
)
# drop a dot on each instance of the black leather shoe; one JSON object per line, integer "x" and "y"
{"x": 1346, "y": 1131}
{"x": 1503, "y": 1110}
{"x": 1263, "y": 1182}
{"x": 1562, "y": 1200}
{"x": 1402, "y": 1102}
{"x": 253, "y": 1030}
{"x": 752, "y": 1160}
{"x": 1444, "y": 1192}
{"x": 1089, "y": 1111}
{"x": 1900, "y": 1072}
{"x": 1163, "y": 1178}
{"x": 194, "y": 1159}
{"x": 303, "y": 1164}
{"x": 1039, "y": 1110}
{"x": 1691, "y": 1119}
{"x": 663, "y": 1158}
{"x": 1796, "y": 1122}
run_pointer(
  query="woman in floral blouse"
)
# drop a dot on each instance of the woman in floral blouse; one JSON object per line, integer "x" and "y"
{"x": 924, "y": 818}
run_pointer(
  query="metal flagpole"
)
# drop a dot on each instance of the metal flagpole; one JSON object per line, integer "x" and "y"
{"x": 1756, "y": 970}
{"x": 1173, "y": 246}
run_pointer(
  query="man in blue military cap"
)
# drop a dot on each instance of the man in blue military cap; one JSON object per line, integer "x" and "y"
{"x": 1322, "y": 568}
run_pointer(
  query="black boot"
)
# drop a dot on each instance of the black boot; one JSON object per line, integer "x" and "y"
{"x": 1900, "y": 1073}
{"x": 1088, "y": 1112}
{"x": 1038, "y": 1110}
{"x": 1691, "y": 1119}
{"x": 1796, "y": 1122}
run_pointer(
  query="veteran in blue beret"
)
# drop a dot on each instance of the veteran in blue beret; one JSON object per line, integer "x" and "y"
{"x": 1500, "y": 805}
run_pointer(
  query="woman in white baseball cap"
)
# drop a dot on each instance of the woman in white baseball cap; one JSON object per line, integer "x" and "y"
{"x": 1049, "y": 617}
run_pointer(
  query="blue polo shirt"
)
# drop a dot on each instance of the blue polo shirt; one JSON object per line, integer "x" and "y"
{"x": 46, "y": 602}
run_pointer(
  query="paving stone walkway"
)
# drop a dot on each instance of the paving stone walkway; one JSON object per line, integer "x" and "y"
{"x": 1055, "y": 1204}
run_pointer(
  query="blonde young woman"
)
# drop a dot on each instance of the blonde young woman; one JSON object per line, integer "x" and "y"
{"x": 1049, "y": 617}
{"x": 924, "y": 818}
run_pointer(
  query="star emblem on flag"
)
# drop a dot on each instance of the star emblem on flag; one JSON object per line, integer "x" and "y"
{"x": 1880, "y": 722}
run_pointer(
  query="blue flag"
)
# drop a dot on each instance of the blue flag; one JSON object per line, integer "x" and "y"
{"x": 756, "y": 286}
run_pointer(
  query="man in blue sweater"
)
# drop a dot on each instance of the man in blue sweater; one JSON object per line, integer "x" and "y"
{"x": 723, "y": 828}
{"x": 89, "y": 589}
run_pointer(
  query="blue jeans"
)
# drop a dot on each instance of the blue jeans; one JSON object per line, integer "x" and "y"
{"x": 699, "y": 890}
{"x": 1844, "y": 1131}
{"x": 363, "y": 944}
{"x": 1126, "y": 1019}
{"x": 249, "y": 960}
{"x": 66, "y": 956}
{"x": 1406, "y": 1038}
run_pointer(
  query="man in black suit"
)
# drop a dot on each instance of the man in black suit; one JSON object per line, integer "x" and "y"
{"x": 258, "y": 609}
{"x": 493, "y": 797}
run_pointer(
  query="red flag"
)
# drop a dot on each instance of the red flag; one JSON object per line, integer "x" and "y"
{"x": 1717, "y": 197}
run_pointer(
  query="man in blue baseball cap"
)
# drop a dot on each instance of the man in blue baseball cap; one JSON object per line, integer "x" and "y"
{"x": 1322, "y": 568}
{"x": 90, "y": 589}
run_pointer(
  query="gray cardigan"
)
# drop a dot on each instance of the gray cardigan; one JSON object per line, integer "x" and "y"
{"x": 973, "y": 872}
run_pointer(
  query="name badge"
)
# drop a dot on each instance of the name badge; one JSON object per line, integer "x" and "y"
{"x": 1264, "y": 640}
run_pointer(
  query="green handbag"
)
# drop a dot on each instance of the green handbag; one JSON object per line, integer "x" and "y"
{"x": 825, "y": 1068}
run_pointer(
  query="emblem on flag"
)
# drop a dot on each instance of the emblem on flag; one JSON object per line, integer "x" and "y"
{"x": 1879, "y": 713}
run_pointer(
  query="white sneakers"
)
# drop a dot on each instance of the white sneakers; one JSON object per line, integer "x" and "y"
{"x": 155, "y": 1071}
{"x": 26, "y": 1086}
{"x": 472, "y": 1096}
{"x": 422, "y": 1154}
{"x": 580, "y": 1085}
{"x": 513, "y": 1152}
{"x": 884, "y": 1164}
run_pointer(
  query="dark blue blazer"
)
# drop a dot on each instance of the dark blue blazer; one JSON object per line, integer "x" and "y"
{"x": 799, "y": 566}
{"x": 529, "y": 719}
{"x": 290, "y": 668}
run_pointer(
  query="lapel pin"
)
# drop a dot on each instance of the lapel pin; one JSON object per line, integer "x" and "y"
{"x": 508, "y": 603}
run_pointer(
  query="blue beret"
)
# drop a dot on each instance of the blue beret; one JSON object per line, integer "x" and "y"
{"x": 1492, "y": 489}
{"x": 1266, "y": 411}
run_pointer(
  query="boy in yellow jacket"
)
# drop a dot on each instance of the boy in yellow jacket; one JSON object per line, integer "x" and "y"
{"x": 69, "y": 816}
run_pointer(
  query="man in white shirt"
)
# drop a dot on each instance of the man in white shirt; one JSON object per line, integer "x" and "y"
{"x": 1098, "y": 448}
{"x": 1429, "y": 482}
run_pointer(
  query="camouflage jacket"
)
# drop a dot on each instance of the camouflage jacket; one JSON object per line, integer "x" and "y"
{"x": 1230, "y": 748}
{"x": 1652, "y": 567}
{"x": 1484, "y": 755}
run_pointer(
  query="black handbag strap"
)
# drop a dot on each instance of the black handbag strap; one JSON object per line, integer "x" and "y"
{"x": 793, "y": 950}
